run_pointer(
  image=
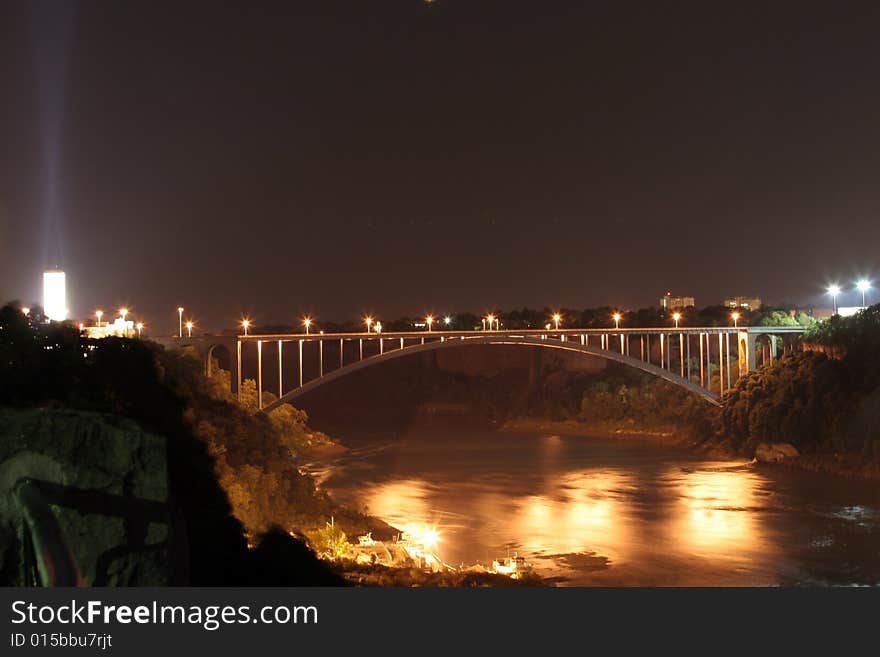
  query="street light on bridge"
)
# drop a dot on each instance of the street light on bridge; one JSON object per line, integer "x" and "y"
{"x": 616, "y": 317}
{"x": 378, "y": 327}
{"x": 245, "y": 324}
{"x": 490, "y": 319}
{"x": 834, "y": 290}
{"x": 25, "y": 311}
{"x": 123, "y": 312}
{"x": 447, "y": 320}
{"x": 735, "y": 318}
{"x": 369, "y": 322}
{"x": 189, "y": 328}
{"x": 428, "y": 321}
{"x": 863, "y": 286}
{"x": 99, "y": 314}
{"x": 556, "y": 318}
{"x": 676, "y": 317}
{"x": 179, "y": 321}
{"x": 140, "y": 327}
{"x": 307, "y": 322}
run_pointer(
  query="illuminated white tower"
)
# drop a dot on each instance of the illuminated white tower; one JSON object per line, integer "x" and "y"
{"x": 55, "y": 295}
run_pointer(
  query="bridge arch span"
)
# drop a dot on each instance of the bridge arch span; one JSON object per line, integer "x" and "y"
{"x": 576, "y": 347}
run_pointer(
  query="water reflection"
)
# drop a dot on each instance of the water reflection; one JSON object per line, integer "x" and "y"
{"x": 717, "y": 516}
{"x": 644, "y": 514}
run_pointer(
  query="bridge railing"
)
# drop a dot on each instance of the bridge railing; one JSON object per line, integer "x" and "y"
{"x": 687, "y": 351}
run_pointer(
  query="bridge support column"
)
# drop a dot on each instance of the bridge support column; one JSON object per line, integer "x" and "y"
{"x": 235, "y": 376}
{"x": 702, "y": 364}
{"x": 280, "y": 372}
{"x": 747, "y": 346}
{"x": 300, "y": 363}
{"x": 260, "y": 374}
{"x": 662, "y": 351}
{"x": 689, "y": 356}
{"x": 720, "y": 365}
{"x": 681, "y": 352}
{"x": 727, "y": 356}
{"x": 320, "y": 358}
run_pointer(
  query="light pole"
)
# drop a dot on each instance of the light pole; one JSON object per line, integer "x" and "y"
{"x": 491, "y": 320}
{"x": 616, "y": 317}
{"x": 735, "y": 318}
{"x": 123, "y": 312}
{"x": 676, "y": 317}
{"x": 378, "y": 327}
{"x": 307, "y": 322}
{"x": 556, "y": 318}
{"x": 189, "y": 329}
{"x": 140, "y": 327}
{"x": 25, "y": 311}
{"x": 428, "y": 321}
{"x": 863, "y": 286}
{"x": 245, "y": 324}
{"x": 447, "y": 320}
{"x": 179, "y": 321}
{"x": 834, "y": 290}
{"x": 99, "y": 314}
{"x": 369, "y": 322}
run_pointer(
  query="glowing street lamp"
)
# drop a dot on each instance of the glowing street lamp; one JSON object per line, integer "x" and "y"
{"x": 447, "y": 320}
{"x": 378, "y": 327}
{"x": 25, "y": 311}
{"x": 369, "y": 322}
{"x": 307, "y": 322}
{"x": 180, "y": 321}
{"x": 863, "y": 286}
{"x": 99, "y": 314}
{"x": 735, "y": 318}
{"x": 676, "y": 317}
{"x": 245, "y": 324}
{"x": 189, "y": 328}
{"x": 616, "y": 317}
{"x": 123, "y": 312}
{"x": 556, "y": 318}
{"x": 834, "y": 290}
{"x": 428, "y": 321}
{"x": 140, "y": 327}
{"x": 490, "y": 319}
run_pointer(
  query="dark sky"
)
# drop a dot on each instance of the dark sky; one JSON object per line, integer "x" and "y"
{"x": 399, "y": 157}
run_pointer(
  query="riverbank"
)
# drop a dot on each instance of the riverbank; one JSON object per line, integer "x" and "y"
{"x": 667, "y": 435}
{"x": 851, "y": 466}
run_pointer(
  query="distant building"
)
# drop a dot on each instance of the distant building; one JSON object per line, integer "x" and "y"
{"x": 747, "y": 303}
{"x": 669, "y": 302}
{"x": 822, "y": 313}
{"x": 55, "y": 295}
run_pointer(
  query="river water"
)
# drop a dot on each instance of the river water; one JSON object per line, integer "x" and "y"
{"x": 615, "y": 511}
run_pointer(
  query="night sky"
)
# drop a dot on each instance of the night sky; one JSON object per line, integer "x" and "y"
{"x": 398, "y": 156}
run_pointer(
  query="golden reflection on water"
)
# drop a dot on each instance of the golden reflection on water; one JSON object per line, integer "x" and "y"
{"x": 580, "y": 512}
{"x": 716, "y": 515}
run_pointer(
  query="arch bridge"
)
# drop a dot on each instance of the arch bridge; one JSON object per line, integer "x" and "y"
{"x": 683, "y": 356}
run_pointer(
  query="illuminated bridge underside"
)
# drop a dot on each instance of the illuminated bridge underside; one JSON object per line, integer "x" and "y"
{"x": 571, "y": 346}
